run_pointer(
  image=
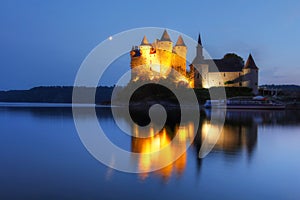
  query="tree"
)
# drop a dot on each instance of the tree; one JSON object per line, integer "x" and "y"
{"x": 233, "y": 56}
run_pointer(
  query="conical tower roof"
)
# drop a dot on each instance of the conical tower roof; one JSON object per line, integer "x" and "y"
{"x": 199, "y": 40}
{"x": 250, "y": 64}
{"x": 145, "y": 41}
{"x": 165, "y": 36}
{"x": 180, "y": 41}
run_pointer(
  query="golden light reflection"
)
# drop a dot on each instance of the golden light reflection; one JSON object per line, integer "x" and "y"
{"x": 157, "y": 142}
{"x": 210, "y": 132}
{"x": 233, "y": 138}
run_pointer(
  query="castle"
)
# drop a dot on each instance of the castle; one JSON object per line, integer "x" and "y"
{"x": 155, "y": 61}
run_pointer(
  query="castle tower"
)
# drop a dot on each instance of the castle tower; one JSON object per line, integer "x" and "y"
{"x": 199, "y": 70}
{"x": 165, "y": 42}
{"x": 180, "y": 47}
{"x": 164, "y": 53}
{"x": 179, "y": 56}
{"x": 140, "y": 56}
{"x": 145, "y": 47}
{"x": 250, "y": 72}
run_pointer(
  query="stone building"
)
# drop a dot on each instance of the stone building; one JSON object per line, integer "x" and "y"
{"x": 155, "y": 61}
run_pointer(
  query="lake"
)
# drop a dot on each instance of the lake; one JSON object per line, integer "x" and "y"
{"x": 257, "y": 156}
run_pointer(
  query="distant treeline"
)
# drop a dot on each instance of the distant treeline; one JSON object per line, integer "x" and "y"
{"x": 63, "y": 94}
{"x": 53, "y": 94}
{"x": 282, "y": 87}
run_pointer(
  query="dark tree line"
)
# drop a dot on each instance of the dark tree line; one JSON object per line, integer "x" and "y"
{"x": 53, "y": 94}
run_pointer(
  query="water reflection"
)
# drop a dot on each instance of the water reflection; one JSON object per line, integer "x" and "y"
{"x": 238, "y": 136}
{"x": 256, "y": 156}
{"x": 239, "y": 133}
{"x": 163, "y": 140}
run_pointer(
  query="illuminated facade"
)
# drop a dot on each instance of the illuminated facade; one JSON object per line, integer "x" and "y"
{"x": 157, "y": 59}
{"x": 154, "y": 61}
{"x": 229, "y": 71}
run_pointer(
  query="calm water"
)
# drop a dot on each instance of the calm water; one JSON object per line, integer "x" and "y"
{"x": 256, "y": 157}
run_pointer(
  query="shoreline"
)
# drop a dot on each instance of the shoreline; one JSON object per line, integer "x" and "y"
{"x": 135, "y": 105}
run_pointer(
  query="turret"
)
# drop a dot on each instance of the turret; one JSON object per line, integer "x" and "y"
{"x": 250, "y": 78}
{"x": 250, "y": 64}
{"x": 165, "y": 42}
{"x": 180, "y": 48}
{"x": 145, "y": 47}
{"x": 179, "y": 56}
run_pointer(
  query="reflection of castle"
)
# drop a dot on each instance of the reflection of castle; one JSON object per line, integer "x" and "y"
{"x": 238, "y": 134}
{"x": 157, "y": 60}
{"x": 159, "y": 141}
{"x": 232, "y": 138}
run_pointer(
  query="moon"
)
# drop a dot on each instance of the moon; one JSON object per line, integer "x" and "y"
{"x": 110, "y": 38}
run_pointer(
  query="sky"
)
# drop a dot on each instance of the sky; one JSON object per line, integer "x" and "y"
{"x": 45, "y": 42}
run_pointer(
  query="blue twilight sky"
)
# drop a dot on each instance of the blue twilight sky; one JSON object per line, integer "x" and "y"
{"x": 44, "y": 42}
